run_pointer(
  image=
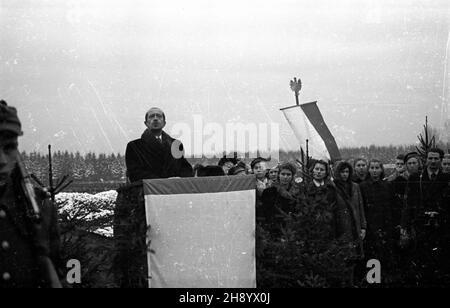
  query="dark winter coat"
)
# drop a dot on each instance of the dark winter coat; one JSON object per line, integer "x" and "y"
{"x": 277, "y": 203}
{"x": 148, "y": 158}
{"x": 349, "y": 211}
{"x": 398, "y": 183}
{"x": 324, "y": 199}
{"x": 358, "y": 180}
{"x": 379, "y": 203}
{"x": 426, "y": 195}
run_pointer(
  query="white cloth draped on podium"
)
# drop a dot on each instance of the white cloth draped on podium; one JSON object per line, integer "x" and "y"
{"x": 202, "y": 232}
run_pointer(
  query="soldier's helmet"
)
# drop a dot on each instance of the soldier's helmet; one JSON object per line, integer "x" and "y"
{"x": 9, "y": 121}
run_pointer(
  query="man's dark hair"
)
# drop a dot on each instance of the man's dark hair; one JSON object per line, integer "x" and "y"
{"x": 401, "y": 157}
{"x": 437, "y": 150}
{"x": 163, "y": 114}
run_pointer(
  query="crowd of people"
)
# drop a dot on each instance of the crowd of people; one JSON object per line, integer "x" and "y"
{"x": 401, "y": 220}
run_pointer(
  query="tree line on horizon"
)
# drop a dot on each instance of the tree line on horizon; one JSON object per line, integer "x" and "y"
{"x": 93, "y": 167}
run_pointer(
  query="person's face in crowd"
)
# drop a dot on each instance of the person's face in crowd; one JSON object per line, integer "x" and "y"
{"x": 412, "y": 165}
{"x": 375, "y": 171}
{"x": 319, "y": 172}
{"x": 400, "y": 166}
{"x": 260, "y": 170}
{"x": 433, "y": 161}
{"x": 8, "y": 156}
{"x": 273, "y": 174}
{"x": 361, "y": 169}
{"x": 446, "y": 165}
{"x": 345, "y": 174}
{"x": 155, "y": 119}
{"x": 285, "y": 176}
{"x": 227, "y": 166}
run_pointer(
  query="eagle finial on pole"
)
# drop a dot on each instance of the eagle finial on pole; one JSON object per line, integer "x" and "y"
{"x": 296, "y": 86}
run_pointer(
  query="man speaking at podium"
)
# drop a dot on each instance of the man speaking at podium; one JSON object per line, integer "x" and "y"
{"x": 155, "y": 154}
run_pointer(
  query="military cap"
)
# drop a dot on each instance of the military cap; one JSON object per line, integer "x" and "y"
{"x": 9, "y": 121}
{"x": 257, "y": 160}
{"x": 238, "y": 168}
{"x": 410, "y": 155}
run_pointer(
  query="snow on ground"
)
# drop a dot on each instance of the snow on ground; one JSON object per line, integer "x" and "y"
{"x": 89, "y": 208}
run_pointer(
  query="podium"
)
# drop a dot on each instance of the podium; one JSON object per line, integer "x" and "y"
{"x": 130, "y": 227}
{"x": 186, "y": 232}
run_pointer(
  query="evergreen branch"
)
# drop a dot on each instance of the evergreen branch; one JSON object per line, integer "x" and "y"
{"x": 35, "y": 178}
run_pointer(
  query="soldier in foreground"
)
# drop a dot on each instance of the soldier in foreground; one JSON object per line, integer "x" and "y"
{"x": 29, "y": 237}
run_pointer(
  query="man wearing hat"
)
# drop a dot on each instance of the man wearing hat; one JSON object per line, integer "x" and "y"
{"x": 412, "y": 163}
{"x": 239, "y": 169}
{"x": 29, "y": 237}
{"x": 226, "y": 163}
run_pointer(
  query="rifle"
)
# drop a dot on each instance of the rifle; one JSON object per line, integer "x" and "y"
{"x": 46, "y": 266}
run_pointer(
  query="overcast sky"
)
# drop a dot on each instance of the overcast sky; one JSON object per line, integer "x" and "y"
{"x": 83, "y": 73}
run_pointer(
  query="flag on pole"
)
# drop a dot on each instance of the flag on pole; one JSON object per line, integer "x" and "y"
{"x": 307, "y": 123}
{"x": 202, "y": 232}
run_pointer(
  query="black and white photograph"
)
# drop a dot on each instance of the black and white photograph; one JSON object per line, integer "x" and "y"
{"x": 207, "y": 146}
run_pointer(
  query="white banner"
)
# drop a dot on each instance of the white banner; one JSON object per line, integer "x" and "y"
{"x": 201, "y": 239}
{"x": 303, "y": 129}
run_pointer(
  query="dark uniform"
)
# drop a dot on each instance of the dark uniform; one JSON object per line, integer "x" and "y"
{"x": 19, "y": 247}
{"x": 28, "y": 250}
